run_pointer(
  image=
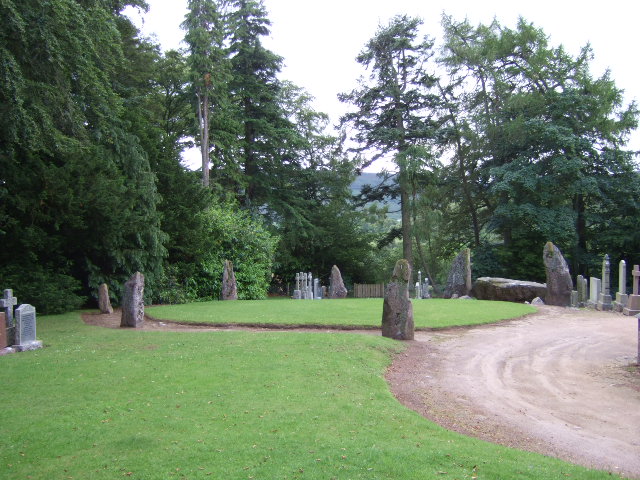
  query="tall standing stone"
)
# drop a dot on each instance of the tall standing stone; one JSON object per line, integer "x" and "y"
{"x": 397, "y": 310}
{"x": 621, "y": 294}
{"x": 104, "y": 303}
{"x": 559, "y": 283}
{"x": 594, "y": 291}
{"x": 133, "y": 302}
{"x": 459, "y": 279}
{"x": 582, "y": 291}
{"x": 604, "y": 299}
{"x": 229, "y": 286}
{"x": 336, "y": 285}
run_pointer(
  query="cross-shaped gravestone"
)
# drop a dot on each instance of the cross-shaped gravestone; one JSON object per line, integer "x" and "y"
{"x": 636, "y": 279}
{"x": 8, "y": 302}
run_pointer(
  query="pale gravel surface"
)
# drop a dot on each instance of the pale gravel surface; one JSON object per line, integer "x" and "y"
{"x": 559, "y": 382}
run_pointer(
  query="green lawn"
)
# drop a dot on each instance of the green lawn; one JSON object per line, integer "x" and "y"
{"x": 105, "y": 404}
{"x": 433, "y": 313}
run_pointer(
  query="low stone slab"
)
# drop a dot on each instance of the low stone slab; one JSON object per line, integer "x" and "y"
{"x": 507, "y": 290}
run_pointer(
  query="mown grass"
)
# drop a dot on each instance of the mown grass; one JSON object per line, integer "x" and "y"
{"x": 106, "y": 404}
{"x": 432, "y": 313}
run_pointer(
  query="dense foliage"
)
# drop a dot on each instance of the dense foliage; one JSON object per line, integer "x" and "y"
{"x": 501, "y": 142}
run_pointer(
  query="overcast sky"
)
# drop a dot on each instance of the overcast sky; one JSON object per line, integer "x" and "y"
{"x": 319, "y": 39}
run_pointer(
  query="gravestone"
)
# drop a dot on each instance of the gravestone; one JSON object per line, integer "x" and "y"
{"x": 621, "y": 294}
{"x": 559, "y": 283}
{"x": 297, "y": 293}
{"x": 633, "y": 302}
{"x": 133, "y": 302}
{"x": 604, "y": 299}
{"x": 574, "y": 298}
{"x": 582, "y": 291}
{"x": 459, "y": 279}
{"x": 417, "y": 293}
{"x": 336, "y": 285}
{"x": 594, "y": 292}
{"x": 26, "y": 329}
{"x": 397, "y": 310}
{"x": 425, "y": 289}
{"x": 8, "y": 301}
{"x": 104, "y": 303}
{"x": 3, "y": 331}
{"x": 507, "y": 289}
{"x": 317, "y": 291}
{"x": 229, "y": 286}
{"x": 309, "y": 286}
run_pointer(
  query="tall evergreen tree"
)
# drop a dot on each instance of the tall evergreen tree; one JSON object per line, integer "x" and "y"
{"x": 395, "y": 107}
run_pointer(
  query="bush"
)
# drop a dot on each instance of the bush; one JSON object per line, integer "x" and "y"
{"x": 50, "y": 292}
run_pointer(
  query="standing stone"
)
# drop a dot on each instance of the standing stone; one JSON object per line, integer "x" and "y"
{"x": 229, "y": 286}
{"x": 459, "y": 279}
{"x": 633, "y": 302}
{"x": 621, "y": 294}
{"x": 133, "y": 302}
{"x": 3, "y": 332}
{"x": 297, "y": 293}
{"x": 604, "y": 299}
{"x": 336, "y": 285}
{"x": 317, "y": 291}
{"x": 559, "y": 283}
{"x": 425, "y": 289}
{"x": 397, "y": 310}
{"x": 309, "y": 286}
{"x": 104, "y": 303}
{"x": 594, "y": 292}
{"x": 26, "y": 328}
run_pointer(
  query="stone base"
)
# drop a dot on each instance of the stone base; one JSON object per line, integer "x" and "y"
{"x": 7, "y": 351}
{"x": 35, "y": 345}
{"x": 620, "y": 302}
{"x": 633, "y": 305}
{"x": 297, "y": 295}
{"x": 604, "y": 303}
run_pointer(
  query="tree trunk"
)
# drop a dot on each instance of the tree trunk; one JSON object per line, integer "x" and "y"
{"x": 203, "y": 120}
{"x": 405, "y": 209}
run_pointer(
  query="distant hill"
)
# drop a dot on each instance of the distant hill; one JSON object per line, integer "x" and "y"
{"x": 368, "y": 178}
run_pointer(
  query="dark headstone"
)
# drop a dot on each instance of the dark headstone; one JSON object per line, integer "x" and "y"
{"x": 3, "y": 332}
{"x": 559, "y": 283}
{"x": 459, "y": 279}
{"x": 104, "y": 303}
{"x": 397, "y": 310}
{"x": 133, "y": 302}
{"x": 507, "y": 290}
{"x": 229, "y": 286}
{"x": 336, "y": 285}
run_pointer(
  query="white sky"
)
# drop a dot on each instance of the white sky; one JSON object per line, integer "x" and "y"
{"x": 320, "y": 39}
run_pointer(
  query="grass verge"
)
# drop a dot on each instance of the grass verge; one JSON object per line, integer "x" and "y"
{"x": 106, "y": 404}
{"x": 365, "y": 312}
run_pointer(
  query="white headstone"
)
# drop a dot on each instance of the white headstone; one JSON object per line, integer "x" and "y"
{"x": 594, "y": 291}
{"x": 26, "y": 328}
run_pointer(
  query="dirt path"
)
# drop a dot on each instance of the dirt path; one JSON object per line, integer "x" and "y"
{"x": 558, "y": 382}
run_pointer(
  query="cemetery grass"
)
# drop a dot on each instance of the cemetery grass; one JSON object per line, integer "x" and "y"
{"x": 347, "y": 313}
{"x": 102, "y": 403}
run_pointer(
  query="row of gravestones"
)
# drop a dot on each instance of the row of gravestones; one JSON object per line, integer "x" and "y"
{"x": 309, "y": 288}
{"x": 17, "y": 326}
{"x": 599, "y": 294}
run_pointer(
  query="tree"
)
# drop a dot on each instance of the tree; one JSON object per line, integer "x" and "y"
{"x": 394, "y": 108}
{"x": 544, "y": 135}
{"x": 205, "y": 34}
{"x": 79, "y": 195}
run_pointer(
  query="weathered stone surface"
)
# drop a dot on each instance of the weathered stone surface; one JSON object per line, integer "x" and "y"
{"x": 459, "y": 279}
{"x": 507, "y": 290}
{"x": 133, "y": 302}
{"x": 559, "y": 283}
{"x": 397, "y": 310}
{"x": 229, "y": 285}
{"x": 465, "y": 297}
{"x": 537, "y": 301}
{"x": 3, "y": 331}
{"x": 336, "y": 285}
{"x": 104, "y": 303}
